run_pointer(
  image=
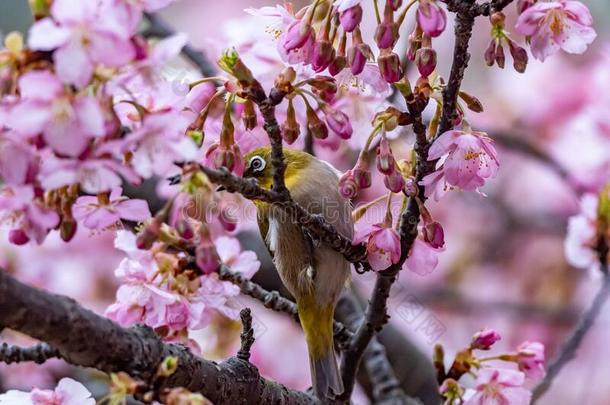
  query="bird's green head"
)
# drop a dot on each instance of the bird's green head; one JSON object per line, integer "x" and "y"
{"x": 258, "y": 166}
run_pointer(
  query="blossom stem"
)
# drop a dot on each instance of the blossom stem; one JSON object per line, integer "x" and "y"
{"x": 404, "y": 12}
{"x": 377, "y": 14}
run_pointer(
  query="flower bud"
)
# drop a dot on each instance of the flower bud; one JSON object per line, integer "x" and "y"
{"x": 18, "y": 237}
{"x": 389, "y": 66}
{"x": 484, "y": 339}
{"x": 315, "y": 125}
{"x": 337, "y": 65}
{"x": 357, "y": 56}
{"x": 431, "y": 18}
{"x": 229, "y": 157}
{"x": 386, "y": 163}
{"x": 394, "y": 182}
{"x": 348, "y": 185}
{"x": 394, "y": 4}
{"x": 425, "y": 59}
{"x": 290, "y": 128}
{"x": 363, "y": 177}
{"x": 207, "y": 258}
{"x": 323, "y": 55}
{"x": 386, "y": 35}
{"x": 499, "y": 56}
{"x": 350, "y": 18}
{"x": 338, "y": 122}
{"x": 184, "y": 229}
{"x": 519, "y": 55}
{"x": 67, "y": 229}
{"x": 473, "y": 103}
{"x": 324, "y": 87}
{"x": 434, "y": 234}
{"x": 297, "y": 35}
{"x": 490, "y": 53}
{"x": 249, "y": 115}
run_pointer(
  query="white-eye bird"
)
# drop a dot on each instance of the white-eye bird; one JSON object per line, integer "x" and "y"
{"x": 314, "y": 274}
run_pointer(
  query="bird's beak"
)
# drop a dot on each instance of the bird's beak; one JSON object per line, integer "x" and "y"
{"x": 220, "y": 188}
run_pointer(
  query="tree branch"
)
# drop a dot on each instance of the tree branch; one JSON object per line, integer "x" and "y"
{"x": 86, "y": 339}
{"x": 39, "y": 353}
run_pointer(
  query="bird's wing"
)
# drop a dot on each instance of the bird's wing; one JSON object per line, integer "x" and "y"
{"x": 263, "y": 227}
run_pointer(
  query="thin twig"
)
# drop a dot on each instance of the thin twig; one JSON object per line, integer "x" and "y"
{"x": 247, "y": 334}
{"x": 39, "y": 353}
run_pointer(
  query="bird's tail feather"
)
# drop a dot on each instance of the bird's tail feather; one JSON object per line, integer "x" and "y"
{"x": 317, "y": 322}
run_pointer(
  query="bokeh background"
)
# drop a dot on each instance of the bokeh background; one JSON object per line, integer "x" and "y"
{"x": 504, "y": 265}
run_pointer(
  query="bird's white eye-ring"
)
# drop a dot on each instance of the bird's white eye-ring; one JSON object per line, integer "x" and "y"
{"x": 257, "y": 164}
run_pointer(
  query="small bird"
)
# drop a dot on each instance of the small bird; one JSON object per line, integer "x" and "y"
{"x": 314, "y": 273}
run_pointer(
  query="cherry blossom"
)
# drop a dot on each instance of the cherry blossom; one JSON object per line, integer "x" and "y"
{"x": 484, "y": 339}
{"x": 67, "y": 392}
{"x": 530, "y": 357}
{"x": 499, "y": 386}
{"x": 468, "y": 159}
{"x": 67, "y": 122}
{"x": 383, "y": 245}
{"x": 554, "y": 25}
{"x": 82, "y": 39}
{"x": 103, "y": 211}
{"x": 423, "y": 258}
{"x": 581, "y": 239}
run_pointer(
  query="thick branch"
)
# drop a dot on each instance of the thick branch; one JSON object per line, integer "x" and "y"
{"x": 39, "y": 353}
{"x": 85, "y": 339}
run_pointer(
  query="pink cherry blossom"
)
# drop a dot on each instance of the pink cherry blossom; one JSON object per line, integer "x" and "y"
{"x": 484, "y": 339}
{"x": 244, "y": 262}
{"x": 128, "y": 13}
{"x": 67, "y": 392}
{"x": 423, "y": 258}
{"x": 554, "y": 25}
{"x": 67, "y": 122}
{"x": 468, "y": 159}
{"x": 157, "y": 143}
{"x": 93, "y": 175}
{"x": 431, "y": 18}
{"x": 383, "y": 245}
{"x": 82, "y": 38}
{"x": 530, "y": 357}
{"x": 18, "y": 160}
{"x": 27, "y": 217}
{"x": 581, "y": 238}
{"x": 499, "y": 386}
{"x": 96, "y": 214}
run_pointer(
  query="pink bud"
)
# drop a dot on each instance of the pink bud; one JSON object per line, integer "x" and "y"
{"x": 411, "y": 189}
{"x": 431, "y": 18}
{"x": 184, "y": 229}
{"x": 530, "y": 358}
{"x": 357, "y": 56}
{"x": 425, "y": 59}
{"x": 389, "y": 66}
{"x": 484, "y": 339}
{"x": 434, "y": 234}
{"x": 337, "y": 65}
{"x": 363, "y": 177}
{"x": 499, "y": 56}
{"x": 18, "y": 237}
{"x": 350, "y": 18}
{"x": 207, "y": 258}
{"x": 348, "y": 186}
{"x": 523, "y": 5}
{"x": 297, "y": 35}
{"x": 339, "y": 122}
{"x": 315, "y": 125}
{"x": 386, "y": 35}
{"x": 519, "y": 55}
{"x": 229, "y": 157}
{"x": 323, "y": 55}
{"x": 394, "y": 182}
{"x": 395, "y": 4}
{"x": 490, "y": 53}
{"x": 385, "y": 160}
{"x": 415, "y": 41}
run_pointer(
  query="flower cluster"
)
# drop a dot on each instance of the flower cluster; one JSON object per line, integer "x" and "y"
{"x": 67, "y": 392}
{"x": 493, "y": 384}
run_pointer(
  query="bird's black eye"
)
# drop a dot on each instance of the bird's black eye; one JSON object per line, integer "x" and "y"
{"x": 257, "y": 164}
